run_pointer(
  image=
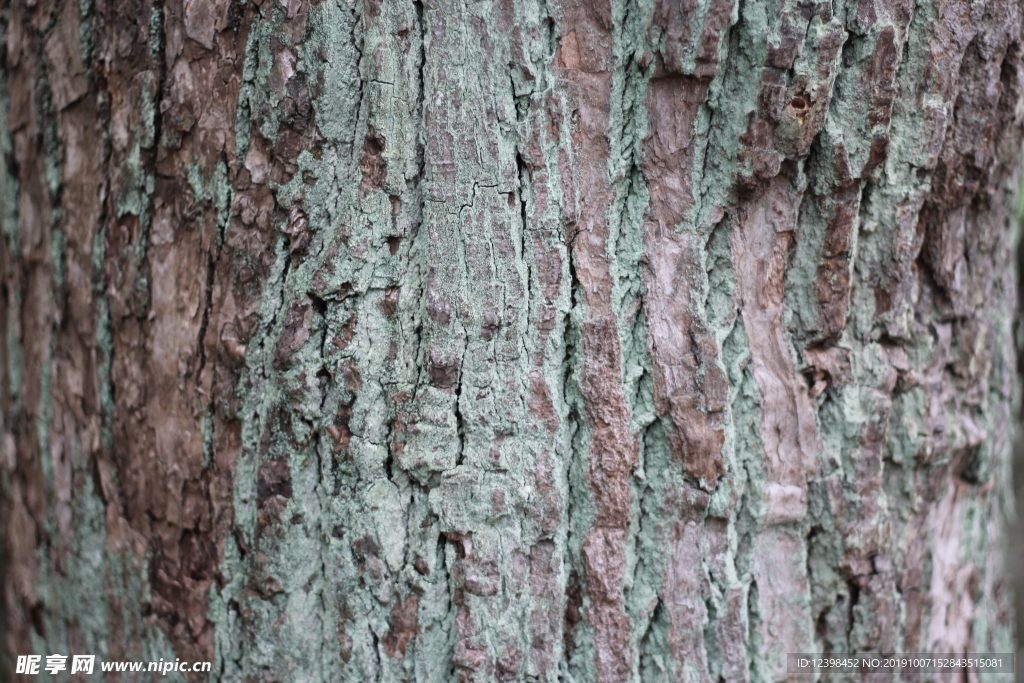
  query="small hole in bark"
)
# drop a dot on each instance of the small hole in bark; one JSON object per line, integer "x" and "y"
{"x": 851, "y": 605}
{"x": 821, "y": 624}
{"x": 274, "y": 479}
{"x": 798, "y": 103}
{"x": 390, "y": 302}
{"x": 319, "y": 305}
{"x": 35, "y": 615}
{"x": 970, "y": 468}
{"x": 573, "y": 615}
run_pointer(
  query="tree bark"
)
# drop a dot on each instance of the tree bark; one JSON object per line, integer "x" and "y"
{"x": 511, "y": 340}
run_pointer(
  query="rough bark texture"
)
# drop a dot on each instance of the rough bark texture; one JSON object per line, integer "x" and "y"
{"x": 522, "y": 340}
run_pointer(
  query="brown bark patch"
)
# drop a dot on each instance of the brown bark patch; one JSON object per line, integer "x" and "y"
{"x": 404, "y": 626}
{"x": 372, "y": 163}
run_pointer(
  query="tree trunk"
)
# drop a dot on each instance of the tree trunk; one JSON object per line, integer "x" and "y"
{"x": 509, "y": 340}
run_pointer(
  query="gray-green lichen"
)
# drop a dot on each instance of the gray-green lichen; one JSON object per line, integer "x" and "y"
{"x": 527, "y": 341}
